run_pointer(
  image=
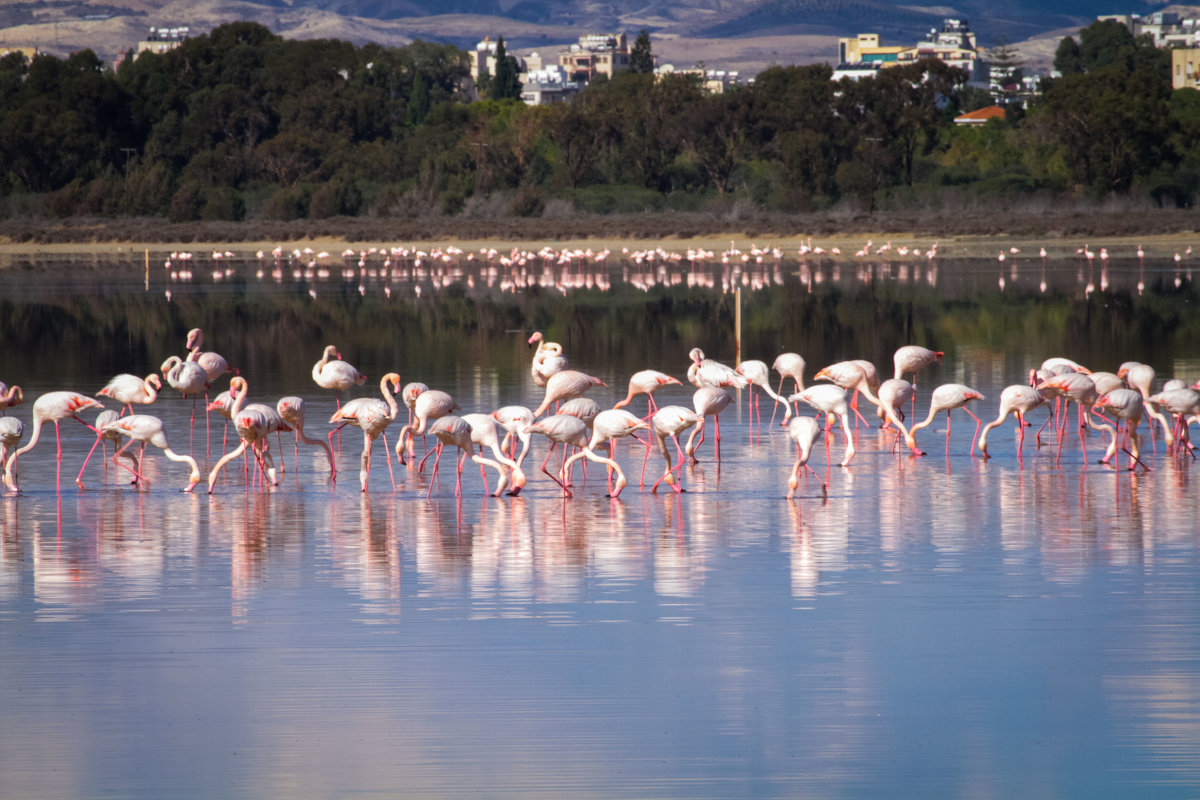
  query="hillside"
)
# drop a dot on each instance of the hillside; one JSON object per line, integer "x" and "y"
{"x": 746, "y": 36}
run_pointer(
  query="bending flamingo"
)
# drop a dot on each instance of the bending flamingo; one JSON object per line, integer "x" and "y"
{"x": 611, "y": 424}
{"x": 291, "y": 409}
{"x": 431, "y": 405}
{"x": 789, "y": 365}
{"x": 1016, "y": 399}
{"x": 146, "y": 428}
{"x": 50, "y": 407}
{"x": 708, "y": 401}
{"x": 830, "y": 400}
{"x": 102, "y": 435}
{"x": 757, "y": 374}
{"x": 670, "y": 421}
{"x": 254, "y": 428}
{"x": 803, "y": 431}
{"x": 948, "y": 397}
{"x": 10, "y": 396}
{"x": 484, "y": 434}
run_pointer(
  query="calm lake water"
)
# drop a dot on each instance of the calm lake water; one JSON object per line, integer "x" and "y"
{"x": 935, "y": 627}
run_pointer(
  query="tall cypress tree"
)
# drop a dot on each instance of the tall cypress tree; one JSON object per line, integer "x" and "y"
{"x": 640, "y": 57}
{"x": 418, "y": 103}
{"x": 507, "y": 82}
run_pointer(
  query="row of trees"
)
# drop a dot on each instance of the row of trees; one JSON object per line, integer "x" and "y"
{"x": 242, "y": 123}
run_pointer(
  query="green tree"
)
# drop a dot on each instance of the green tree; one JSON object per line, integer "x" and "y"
{"x": 1066, "y": 58}
{"x": 507, "y": 82}
{"x": 640, "y": 57}
{"x": 418, "y": 103}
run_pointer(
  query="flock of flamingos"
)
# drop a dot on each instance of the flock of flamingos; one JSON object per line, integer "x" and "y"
{"x": 1113, "y": 403}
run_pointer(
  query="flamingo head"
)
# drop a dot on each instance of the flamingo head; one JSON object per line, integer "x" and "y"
{"x": 170, "y": 364}
{"x": 518, "y": 481}
{"x": 154, "y": 381}
{"x": 195, "y": 338}
{"x": 823, "y": 375}
{"x": 393, "y": 379}
{"x": 535, "y": 338}
{"x": 1123, "y": 370}
{"x": 667, "y": 380}
{"x": 237, "y": 387}
{"x": 696, "y": 355}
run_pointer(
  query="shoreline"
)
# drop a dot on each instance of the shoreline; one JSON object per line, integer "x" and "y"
{"x": 973, "y": 235}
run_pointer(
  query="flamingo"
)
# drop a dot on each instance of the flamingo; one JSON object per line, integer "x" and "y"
{"x": 431, "y": 405}
{"x": 11, "y": 429}
{"x": 372, "y": 416}
{"x": 647, "y": 382}
{"x": 454, "y": 430}
{"x": 948, "y": 397}
{"x": 831, "y": 401}
{"x": 223, "y": 405}
{"x": 757, "y": 374}
{"x": 336, "y": 375}
{"x": 515, "y": 420}
{"x": 291, "y": 410}
{"x": 670, "y": 421}
{"x": 803, "y": 431}
{"x": 1141, "y": 377}
{"x": 127, "y": 389}
{"x": 612, "y": 424}
{"x": 708, "y": 401}
{"x": 253, "y": 427}
{"x": 10, "y": 396}
{"x": 1016, "y": 399}
{"x": 707, "y": 372}
{"x": 911, "y": 358}
{"x": 1126, "y": 405}
{"x": 566, "y": 385}
{"x": 547, "y": 359}
{"x": 1078, "y": 388}
{"x": 851, "y": 376}
{"x": 561, "y": 429}
{"x": 484, "y": 434}
{"x": 50, "y": 407}
{"x": 788, "y": 365}
{"x": 214, "y": 364}
{"x": 188, "y": 378}
{"x": 409, "y": 395}
{"x": 102, "y": 435}
{"x": 894, "y": 393}
{"x": 1058, "y": 362}
{"x": 146, "y": 428}
{"x": 1183, "y": 405}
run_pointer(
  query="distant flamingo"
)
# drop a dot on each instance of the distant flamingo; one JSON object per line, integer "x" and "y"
{"x": 608, "y": 425}
{"x": 803, "y": 431}
{"x": 565, "y": 386}
{"x": 647, "y": 382}
{"x": 948, "y": 397}
{"x": 50, "y": 407}
{"x": 372, "y": 416}
{"x": 127, "y": 389}
{"x": 670, "y": 421}
{"x": 146, "y": 428}
{"x": 831, "y": 401}
{"x": 10, "y": 396}
{"x": 1016, "y": 399}
{"x": 291, "y": 409}
{"x": 336, "y": 374}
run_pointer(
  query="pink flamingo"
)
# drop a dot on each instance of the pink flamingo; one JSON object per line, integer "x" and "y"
{"x": 803, "y": 431}
{"x": 789, "y": 365}
{"x": 254, "y": 428}
{"x": 431, "y": 405}
{"x": 1127, "y": 406}
{"x": 708, "y": 401}
{"x": 561, "y": 429}
{"x": 707, "y": 372}
{"x": 102, "y": 435}
{"x": 1183, "y": 404}
{"x": 291, "y": 409}
{"x": 909, "y": 359}
{"x": 566, "y": 385}
{"x": 894, "y": 394}
{"x": 451, "y": 430}
{"x": 336, "y": 374}
{"x": 757, "y": 374}
{"x": 10, "y": 396}
{"x": 670, "y": 421}
{"x": 1016, "y": 399}
{"x": 372, "y": 416}
{"x": 188, "y": 378}
{"x": 831, "y": 401}
{"x": 547, "y": 359}
{"x": 948, "y": 397}
{"x": 515, "y": 420}
{"x": 127, "y": 389}
{"x": 11, "y": 429}
{"x": 214, "y": 364}
{"x": 146, "y": 428}
{"x": 647, "y": 382}
{"x": 50, "y": 407}
{"x": 611, "y": 424}
{"x": 410, "y": 394}
{"x": 484, "y": 434}
{"x": 851, "y": 376}
{"x": 1078, "y": 388}
{"x": 1141, "y": 377}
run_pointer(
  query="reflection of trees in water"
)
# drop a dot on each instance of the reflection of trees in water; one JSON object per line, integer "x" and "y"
{"x": 436, "y": 335}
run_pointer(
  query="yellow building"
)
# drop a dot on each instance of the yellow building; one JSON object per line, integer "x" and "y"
{"x": 865, "y": 49}
{"x": 29, "y": 50}
{"x": 1185, "y": 68}
{"x": 595, "y": 54}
